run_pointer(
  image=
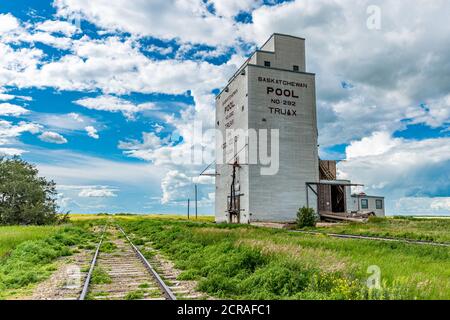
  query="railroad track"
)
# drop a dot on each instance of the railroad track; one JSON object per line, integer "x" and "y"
{"x": 120, "y": 271}
{"x": 373, "y": 238}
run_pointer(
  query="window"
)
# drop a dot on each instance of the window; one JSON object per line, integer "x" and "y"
{"x": 296, "y": 68}
{"x": 379, "y": 204}
{"x": 266, "y": 63}
{"x": 364, "y": 204}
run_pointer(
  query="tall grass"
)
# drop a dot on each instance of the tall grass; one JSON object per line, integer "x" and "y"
{"x": 427, "y": 229}
{"x": 243, "y": 262}
{"x": 31, "y": 261}
{"x": 11, "y": 236}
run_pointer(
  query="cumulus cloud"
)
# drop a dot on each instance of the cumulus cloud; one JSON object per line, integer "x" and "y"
{"x": 377, "y": 144}
{"x": 178, "y": 187}
{"x": 97, "y": 193}
{"x": 14, "y": 31}
{"x": 92, "y": 132}
{"x": 8, "y": 109}
{"x": 399, "y": 75}
{"x": 189, "y": 21}
{"x": 52, "y": 137}
{"x": 399, "y": 168}
{"x": 230, "y": 8}
{"x": 393, "y": 70}
{"x": 423, "y": 206}
{"x": 144, "y": 150}
{"x": 57, "y": 26}
{"x": 115, "y": 104}
{"x": 8, "y": 22}
{"x": 10, "y": 131}
{"x": 160, "y": 50}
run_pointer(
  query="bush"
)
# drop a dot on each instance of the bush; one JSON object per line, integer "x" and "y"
{"x": 306, "y": 217}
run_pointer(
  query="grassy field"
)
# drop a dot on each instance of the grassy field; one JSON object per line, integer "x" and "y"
{"x": 241, "y": 262}
{"x": 32, "y": 251}
{"x": 11, "y": 236}
{"x": 427, "y": 229}
{"x": 245, "y": 262}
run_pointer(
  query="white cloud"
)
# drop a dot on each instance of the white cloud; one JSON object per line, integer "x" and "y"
{"x": 92, "y": 132}
{"x": 393, "y": 70}
{"x": 11, "y": 152}
{"x": 177, "y": 187}
{"x": 160, "y": 50}
{"x": 112, "y": 65}
{"x": 9, "y": 131}
{"x": 97, "y": 193}
{"x": 57, "y": 26}
{"x": 230, "y": 8}
{"x": 71, "y": 168}
{"x": 144, "y": 150}
{"x": 187, "y": 20}
{"x": 8, "y": 22}
{"x": 65, "y": 122}
{"x": 423, "y": 206}
{"x": 52, "y": 137}
{"x": 158, "y": 128}
{"x": 435, "y": 113}
{"x": 399, "y": 168}
{"x": 378, "y": 143}
{"x": 8, "y": 109}
{"x": 13, "y": 31}
{"x": 115, "y": 104}
{"x": 6, "y": 97}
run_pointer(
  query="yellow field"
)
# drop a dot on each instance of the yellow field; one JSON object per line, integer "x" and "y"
{"x": 81, "y": 217}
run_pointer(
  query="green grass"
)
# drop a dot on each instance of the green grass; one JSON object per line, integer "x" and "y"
{"x": 108, "y": 247}
{"x": 32, "y": 261}
{"x": 426, "y": 229}
{"x": 243, "y": 262}
{"x": 11, "y": 236}
{"x": 134, "y": 295}
{"x": 100, "y": 276}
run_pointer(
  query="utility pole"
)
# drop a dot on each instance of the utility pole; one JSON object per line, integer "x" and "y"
{"x": 189, "y": 206}
{"x": 195, "y": 202}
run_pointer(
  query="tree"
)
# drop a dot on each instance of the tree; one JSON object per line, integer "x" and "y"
{"x": 25, "y": 198}
{"x": 306, "y": 217}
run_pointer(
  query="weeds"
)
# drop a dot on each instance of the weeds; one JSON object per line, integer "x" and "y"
{"x": 100, "y": 276}
{"x": 108, "y": 247}
{"x": 243, "y": 262}
{"x": 31, "y": 261}
{"x": 134, "y": 295}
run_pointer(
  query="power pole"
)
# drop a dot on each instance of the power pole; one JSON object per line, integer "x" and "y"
{"x": 195, "y": 202}
{"x": 189, "y": 206}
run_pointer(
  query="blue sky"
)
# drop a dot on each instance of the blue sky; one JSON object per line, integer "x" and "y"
{"x": 100, "y": 98}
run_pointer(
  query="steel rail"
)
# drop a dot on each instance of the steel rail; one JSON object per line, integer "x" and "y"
{"x": 91, "y": 269}
{"x": 374, "y": 238}
{"x": 166, "y": 290}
